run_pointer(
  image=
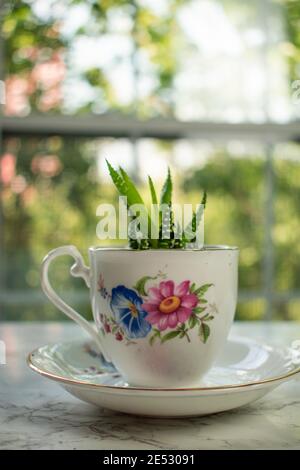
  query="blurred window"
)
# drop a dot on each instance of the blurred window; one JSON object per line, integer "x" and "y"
{"x": 207, "y": 87}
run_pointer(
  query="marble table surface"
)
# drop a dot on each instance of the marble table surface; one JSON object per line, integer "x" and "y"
{"x": 37, "y": 414}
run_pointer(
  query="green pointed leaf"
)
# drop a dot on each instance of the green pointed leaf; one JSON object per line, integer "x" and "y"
{"x": 208, "y": 316}
{"x": 125, "y": 185}
{"x": 199, "y": 309}
{"x": 193, "y": 321}
{"x": 152, "y": 191}
{"x": 117, "y": 180}
{"x": 154, "y": 242}
{"x": 192, "y": 288}
{"x": 166, "y": 193}
{"x": 202, "y": 301}
{"x": 140, "y": 285}
{"x": 152, "y": 339}
{"x": 192, "y": 227}
{"x": 201, "y": 290}
{"x": 204, "y": 332}
{"x": 133, "y": 196}
{"x": 171, "y": 335}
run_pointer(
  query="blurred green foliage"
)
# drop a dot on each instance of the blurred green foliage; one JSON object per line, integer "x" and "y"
{"x": 157, "y": 41}
{"x": 235, "y": 215}
{"x": 56, "y": 209}
{"x": 30, "y": 41}
{"x": 234, "y": 212}
{"x": 54, "y": 192}
{"x": 291, "y": 10}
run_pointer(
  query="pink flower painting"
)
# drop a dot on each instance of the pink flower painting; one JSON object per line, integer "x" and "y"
{"x": 169, "y": 305}
{"x": 141, "y": 311}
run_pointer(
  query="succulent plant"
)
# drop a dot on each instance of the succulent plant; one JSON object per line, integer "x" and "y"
{"x": 170, "y": 236}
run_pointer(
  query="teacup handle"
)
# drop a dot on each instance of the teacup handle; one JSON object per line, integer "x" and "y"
{"x": 79, "y": 269}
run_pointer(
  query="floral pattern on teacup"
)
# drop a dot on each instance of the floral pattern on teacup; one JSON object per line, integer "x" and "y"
{"x": 162, "y": 312}
{"x": 168, "y": 305}
{"x": 127, "y": 308}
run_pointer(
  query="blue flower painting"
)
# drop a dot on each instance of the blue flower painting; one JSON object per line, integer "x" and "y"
{"x": 127, "y": 309}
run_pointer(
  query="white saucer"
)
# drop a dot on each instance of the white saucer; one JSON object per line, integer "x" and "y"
{"x": 245, "y": 371}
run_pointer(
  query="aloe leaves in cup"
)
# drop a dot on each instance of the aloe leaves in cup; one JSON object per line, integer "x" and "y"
{"x": 160, "y": 219}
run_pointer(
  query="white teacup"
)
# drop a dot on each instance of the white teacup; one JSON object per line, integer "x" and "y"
{"x": 162, "y": 316}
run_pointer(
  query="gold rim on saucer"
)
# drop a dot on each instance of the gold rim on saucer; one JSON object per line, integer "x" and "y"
{"x": 59, "y": 378}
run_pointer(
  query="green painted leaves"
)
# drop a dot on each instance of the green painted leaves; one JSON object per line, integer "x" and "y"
{"x": 200, "y": 291}
{"x": 156, "y": 335}
{"x": 140, "y": 285}
{"x": 193, "y": 320}
{"x": 201, "y": 323}
{"x": 204, "y": 332}
{"x": 170, "y": 335}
